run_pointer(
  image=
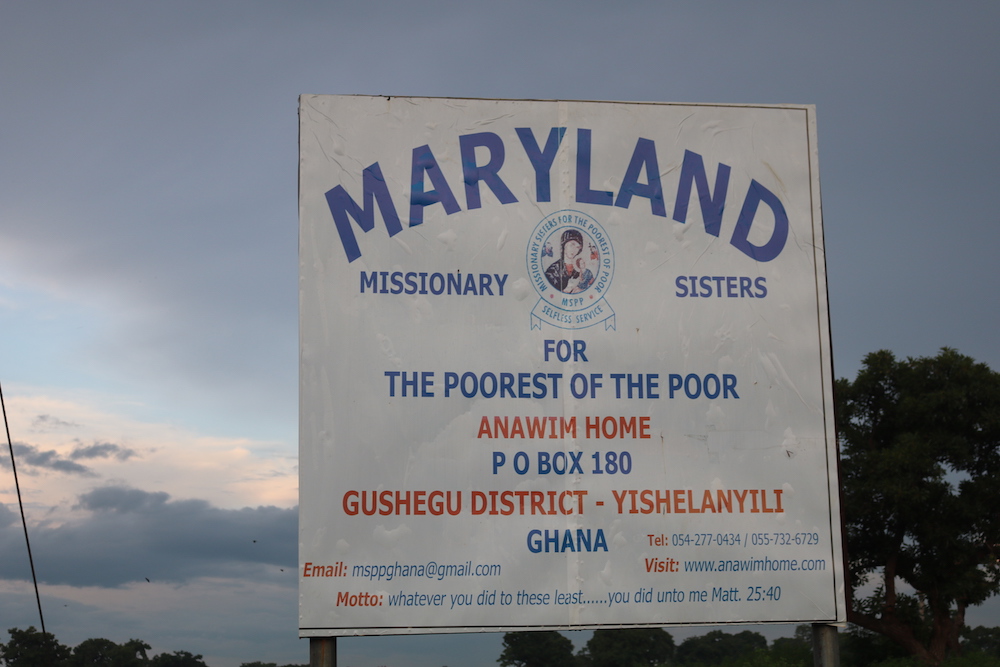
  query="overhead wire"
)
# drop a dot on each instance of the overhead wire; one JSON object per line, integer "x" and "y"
{"x": 20, "y": 504}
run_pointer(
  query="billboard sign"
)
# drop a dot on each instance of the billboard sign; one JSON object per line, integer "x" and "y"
{"x": 563, "y": 365}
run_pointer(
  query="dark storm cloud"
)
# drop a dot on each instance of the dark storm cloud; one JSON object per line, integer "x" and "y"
{"x": 206, "y": 274}
{"x": 123, "y": 500}
{"x": 130, "y": 535}
{"x": 149, "y": 158}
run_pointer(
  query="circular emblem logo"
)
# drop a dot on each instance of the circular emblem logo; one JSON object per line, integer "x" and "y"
{"x": 571, "y": 263}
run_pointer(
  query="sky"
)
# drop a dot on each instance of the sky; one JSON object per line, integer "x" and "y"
{"x": 149, "y": 269}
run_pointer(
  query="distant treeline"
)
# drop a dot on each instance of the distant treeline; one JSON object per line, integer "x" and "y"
{"x": 636, "y": 647}
{"x": 31, "y": 648}
{"x": 655, "y": 647}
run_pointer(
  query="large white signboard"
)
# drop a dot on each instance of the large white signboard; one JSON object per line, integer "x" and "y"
{"x": 563, "y": 364}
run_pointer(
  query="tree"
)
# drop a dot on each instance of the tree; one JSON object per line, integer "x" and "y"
{"x": 629, "y": 647}
{"x": 982, "y": 640}
{"x": 795, "y": 650}
{"x": 718, "y": 647}
{"x": 545, "y": 648}
{"x": 920, "y": 460}
{"x": 861, "y": 648}
{"x": 100, "y": 652}
{"x": 95, "y": 652}
{"x": 31, "y": 648}
{"x": 177, "y": 659}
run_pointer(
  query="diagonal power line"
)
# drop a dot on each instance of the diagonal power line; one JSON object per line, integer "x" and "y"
{"x": 20, "y": 504}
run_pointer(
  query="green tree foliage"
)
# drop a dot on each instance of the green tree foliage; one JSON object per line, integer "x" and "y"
{"x": 101, "y": 652}
{"x": 796, "y": 650}
{"x": 972, "y": 660}
{"x": 858, "y": 648}
{"x": 861, "y": 648}
{"x": 31, "y": 648}
{"x": 719, "y": 648}
{"x": 629, "y": 647}
{"x": 177, "y": 659}
{"x": 981, "y": 640}
{"x": 920, "y": 445}
{"x": 545, "y": 648}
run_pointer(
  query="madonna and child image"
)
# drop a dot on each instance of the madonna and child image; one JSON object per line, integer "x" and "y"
{"x": 575, "y": 261}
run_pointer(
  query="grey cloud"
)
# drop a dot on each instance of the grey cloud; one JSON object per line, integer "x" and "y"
{"x": 122, "y": 499}
{"x": 102, "y": 450}
{"x": 50, "y": 423}
{"x": 131, "y": 535}
{"x": 30, "y": 457}
{"x": 7, "y": 517}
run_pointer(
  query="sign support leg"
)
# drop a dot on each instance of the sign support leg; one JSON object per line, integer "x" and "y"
{"x": 826, "y": 648}
{"x": 322, "y": 652}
